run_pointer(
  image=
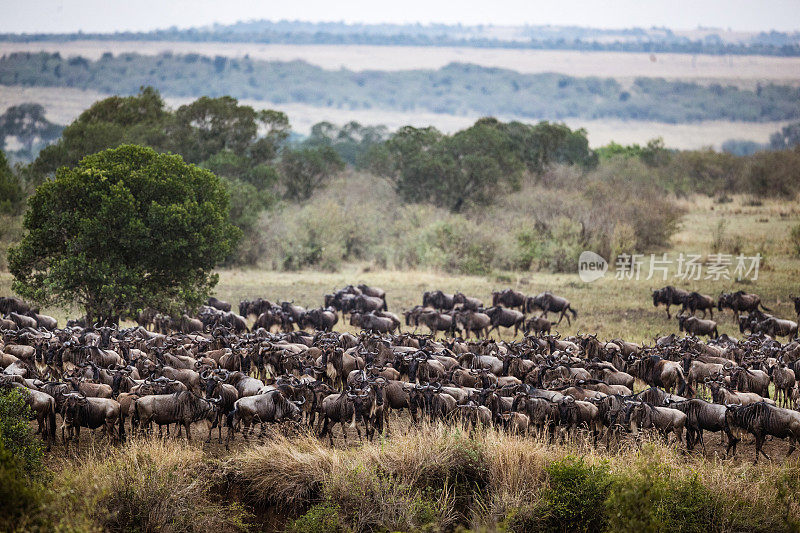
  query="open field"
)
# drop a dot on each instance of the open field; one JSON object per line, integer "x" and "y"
{"x": 745, "y": 71}
{"x": 610, "y": 307}
{"x": 63, "y": 105}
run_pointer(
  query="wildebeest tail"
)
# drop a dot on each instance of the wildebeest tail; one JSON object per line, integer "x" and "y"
{"x": 765, "y": 308}
{"x": 121, "y": 426}
{"x": 682, "y": 382}
{"x": 574, "y": 312}
{"x": 230, "y": 417}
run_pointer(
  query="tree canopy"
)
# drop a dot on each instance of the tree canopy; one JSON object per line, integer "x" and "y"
{"x": 125, "y": 229}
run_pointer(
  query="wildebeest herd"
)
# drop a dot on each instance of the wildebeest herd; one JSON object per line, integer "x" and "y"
{"x": 213, "y": 371}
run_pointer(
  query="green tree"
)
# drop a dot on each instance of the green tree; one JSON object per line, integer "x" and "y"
{"x": 10, "y": 190}
{"x": 788, "y": 137}
{"x": 28, "y": 124}
{"x": 125, "y": 229}
{"x": 305, "y": 170}
{"x": 107, "y": 123}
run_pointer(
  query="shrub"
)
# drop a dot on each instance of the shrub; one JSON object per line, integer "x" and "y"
{"x": 648, "y": 498}
{"x": 15, "y": 431}
{"x": 573, "y": 501}
{"x": 321, "y": 518}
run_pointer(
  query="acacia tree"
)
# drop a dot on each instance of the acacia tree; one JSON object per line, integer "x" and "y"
{"x": 125, "y": 229}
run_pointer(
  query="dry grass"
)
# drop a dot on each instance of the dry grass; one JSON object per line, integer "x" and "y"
{"x": 379, "y": 485}
{"x": 146, "y": 485}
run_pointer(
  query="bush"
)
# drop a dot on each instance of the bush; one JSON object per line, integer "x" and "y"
{"x": 15, "y": 431}
{"x": 321, "y": 518}
{"x": 573, "y": 501}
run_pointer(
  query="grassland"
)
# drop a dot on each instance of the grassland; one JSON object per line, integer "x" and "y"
{"x": 610, "y": 307}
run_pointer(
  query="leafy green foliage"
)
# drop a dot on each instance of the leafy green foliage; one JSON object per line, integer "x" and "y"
{"x": 788, "y": 137}
{"x": 15, "y": 431}
{"x": 474, "y": 165}
{"x": 573, "y": 500}
{"x": 304, "y": 171}
{"x": 352, "y": 141}
{"x": 10, "y": 189}
{"x": 126, "y": 229}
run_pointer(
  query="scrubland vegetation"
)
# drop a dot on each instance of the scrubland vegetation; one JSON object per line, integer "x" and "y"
{"x": 432, "y": 478}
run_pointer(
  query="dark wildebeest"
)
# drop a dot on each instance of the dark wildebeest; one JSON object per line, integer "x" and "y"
{"x": 547, "y": 301}
{"x": 507, "y": 318}
{"x": 701, "y": 416}
{"x": 537, "y": 324}
{"x": 79, "y": 411}
{"x": 473, "y": 322}
{"x": 467, "y": 303}
{"x": 373, "y": 323}
{"x": 658, "y": 372}
{"x": 15, "y": 305}
{"x": 740, "y": 301}
{"x": 270, "y": 407}
{"x": 668, "y": 296}
{"x": 699, "y": 302}
{"x": 438, "y": 300}
{"x": 697, "y": 326}
{"x": 374, "y": 292}
{"x": 219, "y": 304}
{"x": 776, "y": 327}
{"x": 182, "y": 408}
{"x": 436, "y": 321}
{"x": 321, "y": 319}
{"x": 760, "y": 420}
{"x": 509, "y": 298}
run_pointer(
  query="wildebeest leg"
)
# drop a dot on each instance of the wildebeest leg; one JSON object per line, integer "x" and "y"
{"x": 792, "y": 445}
{"x": 188, "y": 431}
{"x": 668, "y": 315}
{"x": 760, "y": 448}
{"x": 344, "y": 432}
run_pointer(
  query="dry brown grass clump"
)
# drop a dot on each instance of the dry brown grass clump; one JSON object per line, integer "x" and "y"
{"x": 147, "y": 485}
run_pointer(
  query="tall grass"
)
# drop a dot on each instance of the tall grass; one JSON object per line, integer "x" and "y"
{"x": 438, "y": 476}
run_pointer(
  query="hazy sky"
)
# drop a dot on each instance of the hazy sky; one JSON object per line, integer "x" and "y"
{"x": 113, "y": 15}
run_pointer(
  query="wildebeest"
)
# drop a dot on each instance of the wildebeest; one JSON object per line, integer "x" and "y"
{"x": 507, "y": 318}
{"x": 654, "y": 370}
{"x": 697, "y": 326}
{"x": 761, "y": 420}
{"x": 438, "y": 300}
{"x": 79, "y": 411}
{"x": 699, "y": 302}
{"x": 509, "y": 298}
{"x": 537, "y": 324}
{"x": 668, "y": 296}
{"x": 473, "y": 322}
{"x": 701, "y": 416}
{"x": 467, "y": 303}
{"x": 182, "y": 408}
{"x": 270, "y": 407}
{"x": 663, "y": 419}
{"x": 219, "y": 304}
{"x": 547, "y": 301}
{"x": 740, "y": 301}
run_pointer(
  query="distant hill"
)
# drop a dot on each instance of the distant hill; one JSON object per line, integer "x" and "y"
{"x": 456, "y": 89}
{"x": 656, "y": 40}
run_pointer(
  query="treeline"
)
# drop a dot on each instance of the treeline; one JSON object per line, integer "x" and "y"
{"x": 494, "y": 196}
{"x": 658, "y": 40}
{"x": 454, "y": 89}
